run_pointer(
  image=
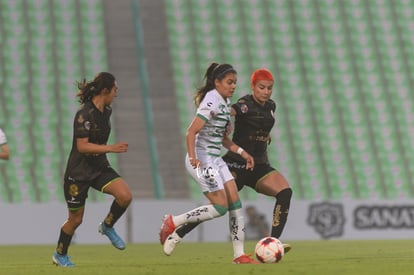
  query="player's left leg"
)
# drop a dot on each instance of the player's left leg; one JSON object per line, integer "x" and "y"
{"x": 186, "y": 222}
{"x": 274, "y": 184}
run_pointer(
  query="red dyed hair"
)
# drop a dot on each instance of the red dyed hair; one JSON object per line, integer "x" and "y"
{"x": 261, "y": 74}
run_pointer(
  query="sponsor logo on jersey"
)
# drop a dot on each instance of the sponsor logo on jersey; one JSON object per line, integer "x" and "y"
{"x": 87, "y": 125}
{"x": 73, "y": 201}
{"x": 236, "y": 165}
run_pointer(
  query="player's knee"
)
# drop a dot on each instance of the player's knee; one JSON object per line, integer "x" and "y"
{"x": 127, "y": 199}
{"x": 284, "y": 195}
{"x": 221, "y": 210}
{"x": 75, "y": 221}
{"x": 124, "y": 199}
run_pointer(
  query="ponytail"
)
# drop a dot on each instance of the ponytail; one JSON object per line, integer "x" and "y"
{"x": 214, "y": 71}
{"x": 87, "y": 90}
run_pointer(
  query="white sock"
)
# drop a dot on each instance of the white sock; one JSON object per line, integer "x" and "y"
{"x": 202, "y": 213}
{"x": 236, "y": 225}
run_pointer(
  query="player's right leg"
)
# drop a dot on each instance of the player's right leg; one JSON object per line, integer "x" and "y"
{"x": 60, "y": 257}
{"x": 75, "y": 195}
{"x": 212, "y": 187}
{"x": 194, "y": 216}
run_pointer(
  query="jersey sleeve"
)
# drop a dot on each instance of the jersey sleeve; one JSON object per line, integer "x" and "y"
{"x": 207, "y": 108}
{"x": 272, "y": 105}
{"x": 240, "y": 106}
{"x": 3, "y": 139}
{"x": 81, "y": 125}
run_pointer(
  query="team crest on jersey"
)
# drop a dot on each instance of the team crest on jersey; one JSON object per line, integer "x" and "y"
{"x": 222, "y": 108}
{"x": 244, "y": 108}
{"x": 81, "y": 119}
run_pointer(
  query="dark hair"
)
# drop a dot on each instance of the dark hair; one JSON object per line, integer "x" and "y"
{"x": 214, "y": 71}
{"x": 87, "y": 90}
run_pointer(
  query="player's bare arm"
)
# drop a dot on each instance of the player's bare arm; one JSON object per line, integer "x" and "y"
{"x": 4, "y": 152}
{"x": 85, "y": 147}
{"x": 233, "y": 147}
{"x": 192, "y": 131}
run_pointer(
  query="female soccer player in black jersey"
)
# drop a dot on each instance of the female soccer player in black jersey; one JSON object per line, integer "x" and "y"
{"x": 88, "y": 165}
{"x": 254, "y": 119}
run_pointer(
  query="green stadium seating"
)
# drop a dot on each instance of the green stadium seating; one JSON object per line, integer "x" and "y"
{"x": 343, "y": 82}
{"x": 42, "y": 59}
{"x": 343, "y": 86}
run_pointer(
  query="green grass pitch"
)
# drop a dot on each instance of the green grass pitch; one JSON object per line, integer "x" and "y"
{"x": 306, "y": 257}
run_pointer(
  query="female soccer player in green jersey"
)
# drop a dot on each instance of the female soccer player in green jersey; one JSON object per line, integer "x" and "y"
{"x": 205, "y": 138}
{"x": 88, "y": 165}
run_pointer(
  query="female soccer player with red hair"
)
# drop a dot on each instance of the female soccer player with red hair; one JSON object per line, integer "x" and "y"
{"x": 254, "y": 119}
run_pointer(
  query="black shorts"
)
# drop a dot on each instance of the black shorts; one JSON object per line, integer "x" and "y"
{"x": 247, "y": 177}
{"x": 76, "y": 192}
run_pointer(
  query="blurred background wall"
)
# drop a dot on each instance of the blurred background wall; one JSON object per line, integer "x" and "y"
{"x": 344, "y": 94}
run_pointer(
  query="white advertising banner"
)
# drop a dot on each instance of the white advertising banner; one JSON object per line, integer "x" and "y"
{"x": 351, "y": 219}
{"x": 308, "y": 220}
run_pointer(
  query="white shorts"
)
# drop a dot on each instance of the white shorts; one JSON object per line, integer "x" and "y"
{"x": 212, "y": 174}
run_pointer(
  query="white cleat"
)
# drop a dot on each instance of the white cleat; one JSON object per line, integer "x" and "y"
{"x": 171, "y": 242}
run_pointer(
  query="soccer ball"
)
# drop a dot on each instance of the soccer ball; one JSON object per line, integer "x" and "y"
{"x": 269, "y": 250}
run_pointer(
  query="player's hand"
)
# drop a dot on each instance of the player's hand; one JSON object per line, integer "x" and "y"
{"x": 120, "y": 147}
{"x": 195, "y": 163}
{"x": 249, "y": 160}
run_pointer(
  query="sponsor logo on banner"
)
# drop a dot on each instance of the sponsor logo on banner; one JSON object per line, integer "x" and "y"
{"x": 328, "y": 219}
{"x": 381, "y": 217}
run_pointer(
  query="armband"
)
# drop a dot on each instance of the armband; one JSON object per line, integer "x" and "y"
{"x": 240, "y": 150}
